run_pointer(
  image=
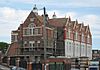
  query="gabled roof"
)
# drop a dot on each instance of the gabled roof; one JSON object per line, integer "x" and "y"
{"x": 72, "y": 24}
{"x": 13, "y": 49}
{"x": 32, "y": 15}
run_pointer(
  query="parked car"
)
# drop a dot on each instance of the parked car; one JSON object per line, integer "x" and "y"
{"x": 16, "y": 68}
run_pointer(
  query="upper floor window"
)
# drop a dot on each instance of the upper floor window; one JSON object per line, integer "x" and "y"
{"x": 14, "y": 38}
{"x": 32, "y": 31}
{"x": 76, "y": 36}
{"x": 88, "y": 39}
{"x": 37, "y": 31}
{"x": 82, "y": 38}
{"x": 25, "y": 31}
{"x": 69, "y": 33}
{"x": 31, "y": 43}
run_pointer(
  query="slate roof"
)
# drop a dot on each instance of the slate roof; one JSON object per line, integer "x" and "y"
{"x": 12, "y": 49}
{"x": 58, "y": 22}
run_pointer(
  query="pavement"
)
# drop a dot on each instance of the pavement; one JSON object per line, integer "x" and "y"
{"x": 4, "y": 67}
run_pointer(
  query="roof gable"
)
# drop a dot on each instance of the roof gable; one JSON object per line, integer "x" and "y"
{"x": 88, "y": 31}
{"x": 12, "y": 49}
{"x": 33, "y": 18}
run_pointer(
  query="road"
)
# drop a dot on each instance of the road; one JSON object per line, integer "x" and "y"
{"x": 4, "y": 68}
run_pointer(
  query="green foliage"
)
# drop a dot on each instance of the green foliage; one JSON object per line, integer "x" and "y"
{"x": 3, "y": 46}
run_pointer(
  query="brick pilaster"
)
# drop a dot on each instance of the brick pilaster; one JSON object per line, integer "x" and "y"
{"x": 29, "y": 66}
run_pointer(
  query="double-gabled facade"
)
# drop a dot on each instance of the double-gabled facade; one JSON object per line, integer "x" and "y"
{"x": 63, "y": 37}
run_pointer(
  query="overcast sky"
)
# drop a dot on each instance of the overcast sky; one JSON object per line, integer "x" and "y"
{"x": 14, "y": 12}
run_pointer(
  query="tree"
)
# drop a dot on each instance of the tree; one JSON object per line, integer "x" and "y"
{"x": 3, "y": 46}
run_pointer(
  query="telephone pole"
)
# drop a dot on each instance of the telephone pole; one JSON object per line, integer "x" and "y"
{"x": 44, "y": 37}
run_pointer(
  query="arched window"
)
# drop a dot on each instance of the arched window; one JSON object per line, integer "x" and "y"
{"x": 31, "y": 25}
{"x": 32, "y": 29}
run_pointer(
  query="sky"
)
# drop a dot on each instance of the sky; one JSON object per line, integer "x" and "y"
{"x": 14, "y": 12}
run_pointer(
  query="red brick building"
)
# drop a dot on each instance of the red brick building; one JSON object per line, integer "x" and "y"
{"x": 64, "y": 37}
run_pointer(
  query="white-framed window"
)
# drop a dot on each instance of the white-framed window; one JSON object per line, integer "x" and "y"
{"x": 82, "y": 49}
{"x": 31, "y": 43}
{"x": 70, "y": 46}
{"x": 82, "y": 37}
{"x": 76, "y": 35}
{"x": 31, "y": 25}
{"x": 38, "y": 43}
{"x": 14, "y": 38}
{"x": 68, "y": 33}
{"x": 36, "y": 31}
{"x": 25, "y": 31}
{"x": 32, "y": 31}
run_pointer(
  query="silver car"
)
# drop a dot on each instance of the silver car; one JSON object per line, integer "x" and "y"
{"x": 17, "y": 68}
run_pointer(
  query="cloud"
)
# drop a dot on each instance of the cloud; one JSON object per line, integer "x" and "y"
{"x": 16, "y": 1}
{"x": 93, "y": 21}
{"x": 10, "y": 19}
{"x": 90, "y": 19}
{"x": 71, "y": 3}
{"x": 85, "y": 3}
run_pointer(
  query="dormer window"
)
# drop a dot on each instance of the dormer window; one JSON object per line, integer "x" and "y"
{"x": 76, "y": 36}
